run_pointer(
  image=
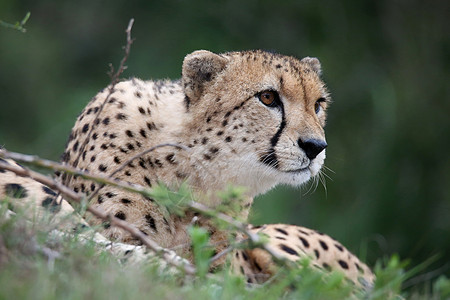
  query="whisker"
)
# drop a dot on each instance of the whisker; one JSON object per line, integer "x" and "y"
{"x": 311, "y": 184}
{"x": 323, "y": 181}
{"x": 328, "y": 169}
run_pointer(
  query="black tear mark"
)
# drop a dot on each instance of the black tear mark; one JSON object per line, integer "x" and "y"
{"x": 15, "y": 190}
{"x": 276, "y": 137}
{"x": 270, "y": 158}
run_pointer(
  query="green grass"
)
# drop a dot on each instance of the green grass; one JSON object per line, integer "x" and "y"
{"x": 83, "y": 271}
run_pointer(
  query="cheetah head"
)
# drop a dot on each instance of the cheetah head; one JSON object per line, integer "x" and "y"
{"x": 262, "y": 115}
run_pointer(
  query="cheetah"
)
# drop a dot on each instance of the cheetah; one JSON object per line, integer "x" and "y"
{"x": 253, "y": 119}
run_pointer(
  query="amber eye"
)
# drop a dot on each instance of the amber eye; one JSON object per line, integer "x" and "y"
{"x": 269, "y": 98}
{"x": 317, "y": 105}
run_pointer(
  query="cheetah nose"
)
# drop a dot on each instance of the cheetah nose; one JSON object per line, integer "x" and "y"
{"x": 312, "y": 147}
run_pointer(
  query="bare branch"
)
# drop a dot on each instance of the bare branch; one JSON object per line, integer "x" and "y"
{"x": 166, "y": 254}
{"x": 148, "y": 151}
{"x": 114, "y": 80}
{"x": 127, "y": 47}
{"x": 48, "y": 164}
{"x": 18, "y": 25}
{"x": 133, "y": 158}
{"x": 254, "y": 238}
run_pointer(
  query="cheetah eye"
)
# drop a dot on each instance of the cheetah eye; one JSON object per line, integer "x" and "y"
{"x": 269, "y": 98}
{"x": 317, "y": 105}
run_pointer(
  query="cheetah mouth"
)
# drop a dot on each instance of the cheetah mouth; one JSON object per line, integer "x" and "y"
{"x": 300, "y": 170}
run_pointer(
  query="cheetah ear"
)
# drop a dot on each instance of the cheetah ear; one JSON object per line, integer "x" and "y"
{"x": 314, "y": 63}
{"x": 199, "y": 69}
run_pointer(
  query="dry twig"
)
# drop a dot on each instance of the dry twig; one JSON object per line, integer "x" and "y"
{"x": 167, "y": 255}
{"x": 253, "y": 238}
{"x": 91, "y": 196}
{"x": 114, "y": 80}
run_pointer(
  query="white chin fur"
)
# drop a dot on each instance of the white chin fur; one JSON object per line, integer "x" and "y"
{"x": 261, "y": 178}
{"x": 299, "y": 178}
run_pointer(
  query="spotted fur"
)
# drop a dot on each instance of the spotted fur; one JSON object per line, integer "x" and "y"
{"x": 253, "y": 119}
{"x": 36, "y": 199}
{"x": 294, "y": 243}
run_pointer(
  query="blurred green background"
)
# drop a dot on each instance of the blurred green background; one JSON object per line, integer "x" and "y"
{"x": 386, "y": 63}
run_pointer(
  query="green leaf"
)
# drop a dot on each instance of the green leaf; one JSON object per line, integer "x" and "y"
{"x": 201, "y": 248}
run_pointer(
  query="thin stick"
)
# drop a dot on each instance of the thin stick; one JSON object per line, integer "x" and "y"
{"x": 195, "y": 206}
{"x": 114, "y": 80}
{"x": 122, "y": 67}
{"x": 91, "y": 196}
{"x": 254, "y": 239}
{"x": 167, "y": 255}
